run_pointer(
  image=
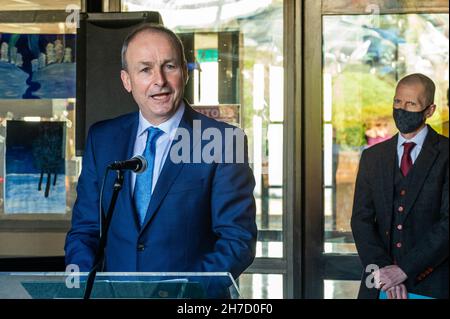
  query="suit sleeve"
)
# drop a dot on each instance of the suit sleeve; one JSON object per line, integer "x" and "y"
{"x": 370, "y": 247}
{"x": 82, "y": 238}
{"x": 432, "y": 249}
{"x": 233, "y": 218}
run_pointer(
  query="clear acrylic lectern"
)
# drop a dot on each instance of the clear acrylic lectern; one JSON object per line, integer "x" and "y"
{"x": 147, "y": 285}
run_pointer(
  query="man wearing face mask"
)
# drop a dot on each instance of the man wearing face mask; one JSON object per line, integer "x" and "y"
{"x": 400, "y": 210}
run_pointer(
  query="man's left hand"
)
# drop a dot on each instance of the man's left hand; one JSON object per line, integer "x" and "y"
{"x": 397, "y": 292}
{"x": 391, "y": 276}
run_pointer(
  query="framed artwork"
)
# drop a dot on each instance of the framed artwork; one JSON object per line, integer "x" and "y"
{"x": 37, "y": 66}
{"x": 34, "y": 168}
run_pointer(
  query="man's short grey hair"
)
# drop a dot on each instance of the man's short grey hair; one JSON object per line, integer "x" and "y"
{"x": 427, "y": 84}
{"x": 157, "y": 28}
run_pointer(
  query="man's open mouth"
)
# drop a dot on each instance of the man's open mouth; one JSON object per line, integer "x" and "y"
{"x": 160, "y": 96}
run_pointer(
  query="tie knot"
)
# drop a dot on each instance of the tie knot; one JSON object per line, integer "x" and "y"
{"x": 152, "y": 134}
{"x": 408, "y": 146}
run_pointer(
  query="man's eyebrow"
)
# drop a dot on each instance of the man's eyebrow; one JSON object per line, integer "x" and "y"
{"x": 406, "y": 100}
{"x": 145, "y": 63}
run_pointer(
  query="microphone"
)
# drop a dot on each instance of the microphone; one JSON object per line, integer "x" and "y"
{"x": 137, "y": 164}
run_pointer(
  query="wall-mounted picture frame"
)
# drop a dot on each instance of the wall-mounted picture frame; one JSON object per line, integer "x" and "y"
{"x": 34, "y": 181}
{"x": 37, "y": 66}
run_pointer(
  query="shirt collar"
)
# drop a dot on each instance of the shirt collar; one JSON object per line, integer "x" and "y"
{"x": 418, "y": 139}
{"x": 168, "y": 127}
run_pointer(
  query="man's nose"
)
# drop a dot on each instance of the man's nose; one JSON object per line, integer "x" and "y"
{"x": 159, "y": 78}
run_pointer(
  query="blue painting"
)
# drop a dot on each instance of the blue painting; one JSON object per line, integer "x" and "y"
{"x": 35, "y": 167}
{"x": 37, "y": 66}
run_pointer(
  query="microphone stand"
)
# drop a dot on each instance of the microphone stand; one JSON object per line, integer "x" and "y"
{"x": 99, "y": 257}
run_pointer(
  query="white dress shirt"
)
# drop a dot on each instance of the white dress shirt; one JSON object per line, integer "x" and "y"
{"x": 418, "y": 139}
{"x": 163, "y": 143}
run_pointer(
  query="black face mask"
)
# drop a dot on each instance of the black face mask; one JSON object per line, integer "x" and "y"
{"x": 408, "y": 122}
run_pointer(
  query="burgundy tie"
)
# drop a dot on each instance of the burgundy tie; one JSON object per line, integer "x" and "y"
{"x": 406, "y": 162}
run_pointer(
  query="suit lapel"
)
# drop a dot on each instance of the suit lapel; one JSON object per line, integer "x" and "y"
{"x": 388, "y": 169}
{"x": 126, "y": 197}
{"x": 170, "y": 170}
{"x": 421, "y": 168}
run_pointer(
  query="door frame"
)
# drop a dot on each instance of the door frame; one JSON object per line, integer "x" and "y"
{"x": 317, "y": 265}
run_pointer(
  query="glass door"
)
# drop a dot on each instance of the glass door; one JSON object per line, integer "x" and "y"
{"x": 365, "y": 50}
{"x": 235, "y": 60}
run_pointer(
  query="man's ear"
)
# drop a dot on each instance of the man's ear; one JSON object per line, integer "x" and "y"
{"x": 185, "y": 74}
{"x": 429, "y": 113}
{"x": 126, "y": 80}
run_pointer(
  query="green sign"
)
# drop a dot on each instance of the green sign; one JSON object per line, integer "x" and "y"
{"x": 207, "y": 55}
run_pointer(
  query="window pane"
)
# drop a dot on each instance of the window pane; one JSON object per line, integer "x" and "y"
{"x": 340, "y": 289}
{"x": 8, "y": 5}
{"x": 363, "y": 60}
{"x": 261, "y": 286}
{"x": 236, "y": 57}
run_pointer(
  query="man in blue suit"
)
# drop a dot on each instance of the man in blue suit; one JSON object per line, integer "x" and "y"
{"x": 189, "y": 216}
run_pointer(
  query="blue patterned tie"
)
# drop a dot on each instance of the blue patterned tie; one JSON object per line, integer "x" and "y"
{"x": 144, "y": 181}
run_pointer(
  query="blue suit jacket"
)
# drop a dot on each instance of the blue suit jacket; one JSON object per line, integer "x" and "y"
{"x": 201, "y": 216}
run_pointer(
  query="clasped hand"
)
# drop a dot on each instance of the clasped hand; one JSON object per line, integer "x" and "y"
{"x": 390, "y": 279}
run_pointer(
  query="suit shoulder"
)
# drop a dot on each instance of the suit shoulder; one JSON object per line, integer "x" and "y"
{"x": 443, "y": 144}
{"x": 443, "y": 140}
{"x": 112, "y": 124}
{"x": 380, "y": 148}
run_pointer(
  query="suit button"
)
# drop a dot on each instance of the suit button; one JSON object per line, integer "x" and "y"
{"x": 402, "y": 192}
{"x": 141, "y": 247}
{"x": 401, "y": 209}
{"x": 400, "y": 227}
{"x": 399, "y": 245}
{"x": 387, "y": 233}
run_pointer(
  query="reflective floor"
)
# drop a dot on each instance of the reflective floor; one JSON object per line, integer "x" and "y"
{"x": 263, "y": 286}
